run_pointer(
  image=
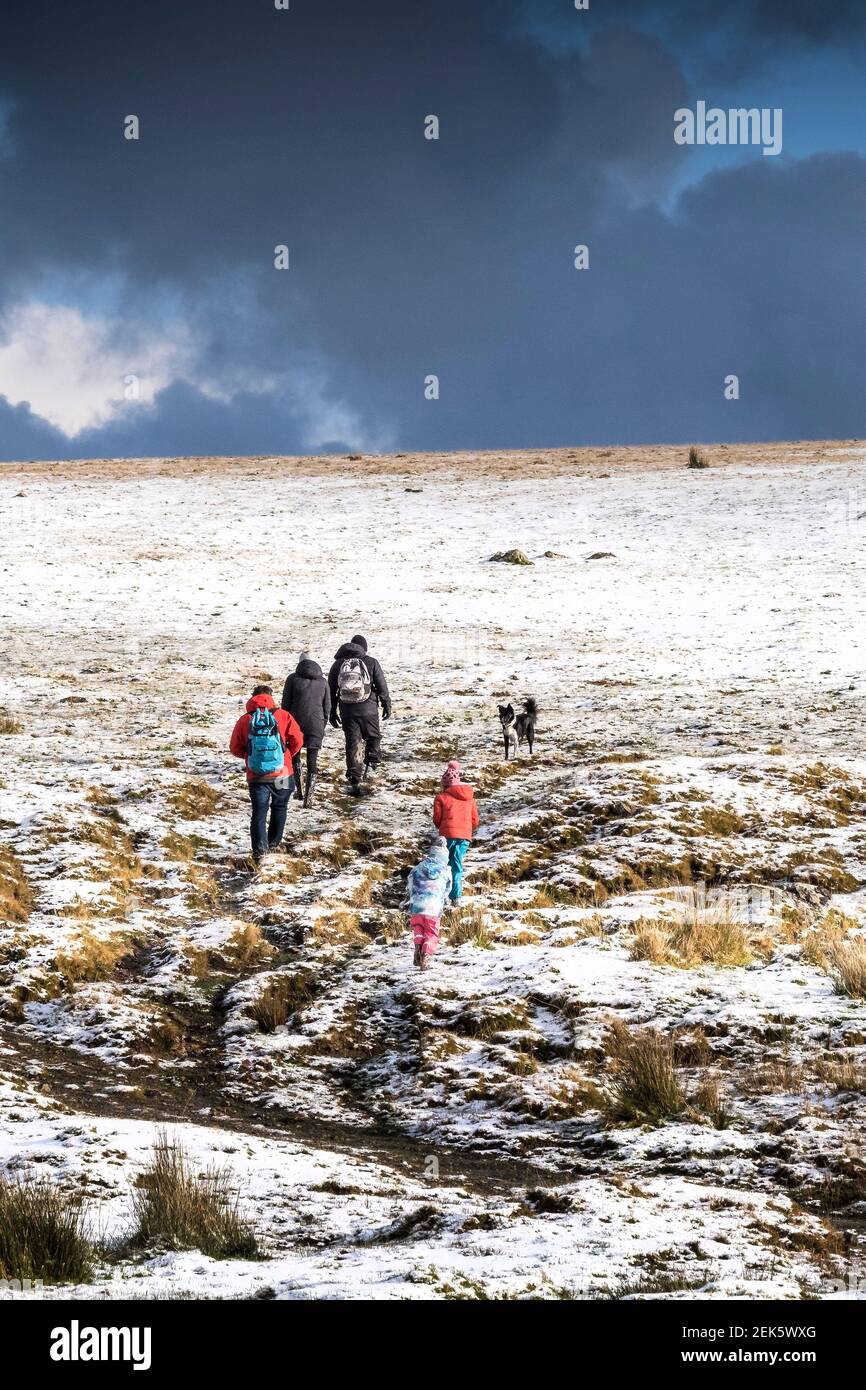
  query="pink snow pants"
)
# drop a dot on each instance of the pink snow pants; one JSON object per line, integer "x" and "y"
{"x": 425, "y": 931}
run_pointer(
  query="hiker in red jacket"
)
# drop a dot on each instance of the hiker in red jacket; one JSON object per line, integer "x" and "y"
{"x": 455, "y": 816}
{"x": 267, "y": 739}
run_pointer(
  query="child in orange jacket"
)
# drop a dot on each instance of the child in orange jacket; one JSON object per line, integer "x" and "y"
{"x": 455, "y": 816}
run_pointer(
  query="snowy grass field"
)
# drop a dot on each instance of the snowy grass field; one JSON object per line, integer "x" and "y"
{"x": 637, "y": 1068}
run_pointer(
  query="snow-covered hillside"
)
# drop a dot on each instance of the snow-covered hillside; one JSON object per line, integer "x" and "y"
{"x": 671, "y": 885}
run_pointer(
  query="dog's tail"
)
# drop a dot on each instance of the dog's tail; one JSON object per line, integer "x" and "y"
{"x": 530, "y": 705}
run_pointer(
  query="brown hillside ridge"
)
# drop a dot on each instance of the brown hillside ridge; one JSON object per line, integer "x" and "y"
{"x": 506, "y": 463}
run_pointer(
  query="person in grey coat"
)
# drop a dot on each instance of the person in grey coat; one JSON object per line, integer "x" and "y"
{"x": 308, "y": 700}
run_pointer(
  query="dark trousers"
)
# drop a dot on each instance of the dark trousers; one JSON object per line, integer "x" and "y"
{"x": 363, "y": 737}
{"x": 266, "y": 831}
{"x": 312, "y": 764}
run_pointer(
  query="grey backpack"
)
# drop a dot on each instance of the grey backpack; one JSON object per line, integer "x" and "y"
{"x": 353, "y": 682}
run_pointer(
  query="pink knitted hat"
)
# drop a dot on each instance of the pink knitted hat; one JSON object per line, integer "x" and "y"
{"x": 451, "y": 775}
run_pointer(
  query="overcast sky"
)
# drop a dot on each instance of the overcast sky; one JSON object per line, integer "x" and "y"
{"x": 153, "y": 258}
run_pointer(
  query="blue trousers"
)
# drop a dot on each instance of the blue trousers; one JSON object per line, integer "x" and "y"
{"x": 266, "y": 831}
{"x": 456, "y": 854}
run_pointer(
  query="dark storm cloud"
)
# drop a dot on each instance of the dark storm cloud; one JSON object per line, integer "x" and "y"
{"x": 755, "y": 275}
{"x": 724, "y": 22}
{"x": 24, "y": 436}
{"x": 807, "y": 18}
{"x": 180, "y": 421}
{"x": 412, "y": 257}
{"x": 724, "y": 43}
{"x": 255, "y": 125}
{"x": 183, "y": 421}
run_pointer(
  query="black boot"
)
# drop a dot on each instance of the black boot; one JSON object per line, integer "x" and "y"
{"x": 296, "y": 769}
{"x": 309, "y": 789}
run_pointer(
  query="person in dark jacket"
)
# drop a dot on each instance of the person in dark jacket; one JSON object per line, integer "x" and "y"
{"x": 307, "y": 699}
{"x": 358, "y": 687}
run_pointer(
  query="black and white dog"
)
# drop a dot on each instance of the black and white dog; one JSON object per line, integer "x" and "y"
{"x": 517, "y": 727}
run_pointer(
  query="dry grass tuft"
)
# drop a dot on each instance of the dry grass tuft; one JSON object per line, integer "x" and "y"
{"x": 167, "y": 1038}
{"x": 43, "y": 1233}
{"x": 549, "y": 894}
{"x": 846, "y": 963}
{"x": 709, "y": 931}
{"x": 719, "y": 821}
{"x": 816, "y": 777}
{"x": 339, "y": 928}
{"x": 246, "y": 948}
{"x": 90, "y": 957}
{"x": 282, "y": 997}
{"x": 645, "y": 1084}
{"x": 288, "y": 869}
{"x": 197, "y": 961}
{"x": 846, "y": 1188}
{"x": 697, "y": 458}
{"x": 704, "y": 931}
{"x": 271, "y": 1010}
{"x": 824, "y": 939}
{"x": 16, "y": 899}
{"x": 709, "y": 1100}
{"x": 350, "y": 841}
{"x": 203, "y": 892}
{"x": 592, "y": 926}
{"x": 9, "y": 724}
{"x": 194, "y": 800}
{"x": 119, "y": 863}
{"x": 177, "y": 1208}
{"x": 794, "y": 919}
{"x": 180, "y": 849}
{"x": 570, "y": 1093}
{"x": 362, "y": 894}
{"x": 102, "y": 797}
{"x": 106, "y": 833}
{"x": 391, "y": 925}
{"x": 779, "y": 1076}
{"x": 843, "y": 1074}
{"x": 468, "y": 924}
{"x": 651, "y": 942}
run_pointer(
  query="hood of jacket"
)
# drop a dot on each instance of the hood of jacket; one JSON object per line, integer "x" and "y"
{"x": 437, "y": 852}
{"x": 461, "y": 791}
{"x": 260, "y": 702}
{"x": 309, "y": 670}
{"x": 349, "y": 649}
{"x": 434, "y": 862}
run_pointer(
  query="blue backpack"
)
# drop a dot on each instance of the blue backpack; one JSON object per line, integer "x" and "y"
{"x": 266, "y": 751}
